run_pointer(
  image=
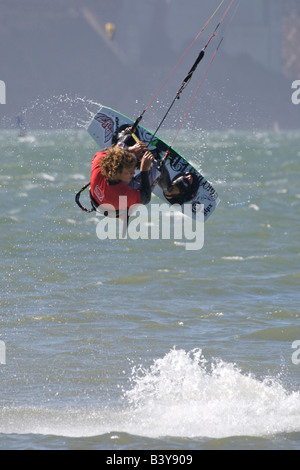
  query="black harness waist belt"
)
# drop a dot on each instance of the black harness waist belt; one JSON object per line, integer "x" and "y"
{"x": 97, "y": 207}
{"x": 94, "y": 204}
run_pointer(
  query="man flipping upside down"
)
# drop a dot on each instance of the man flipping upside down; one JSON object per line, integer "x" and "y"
{"x": 111, "y": 174}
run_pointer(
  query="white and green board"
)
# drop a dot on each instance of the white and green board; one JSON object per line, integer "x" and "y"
{"x": 105, "y": 124}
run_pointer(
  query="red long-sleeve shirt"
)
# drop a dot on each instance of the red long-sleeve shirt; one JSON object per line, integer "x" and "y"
{"x": 105, "y": 193}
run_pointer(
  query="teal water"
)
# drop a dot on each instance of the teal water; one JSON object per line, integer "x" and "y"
{"x": 141, "y": 344}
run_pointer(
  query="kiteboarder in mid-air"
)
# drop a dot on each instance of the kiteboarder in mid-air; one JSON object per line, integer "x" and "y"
{"x": 112, "y": 177}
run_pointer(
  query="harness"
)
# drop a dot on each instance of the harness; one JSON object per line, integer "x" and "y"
{"x": 95, "y": 206}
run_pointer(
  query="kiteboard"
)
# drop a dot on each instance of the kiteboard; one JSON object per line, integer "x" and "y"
{"x": 105, "y": 125}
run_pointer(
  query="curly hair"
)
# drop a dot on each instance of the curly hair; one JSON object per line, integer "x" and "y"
{"x": 115, "y": 160}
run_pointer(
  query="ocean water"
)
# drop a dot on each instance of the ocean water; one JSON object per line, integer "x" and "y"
{"x": 142, "y": 344}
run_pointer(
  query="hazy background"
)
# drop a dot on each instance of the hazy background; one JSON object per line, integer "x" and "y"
{"x": 56, "y": 55}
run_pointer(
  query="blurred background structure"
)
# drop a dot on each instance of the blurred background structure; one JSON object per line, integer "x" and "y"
{"x": 119, "y": 52}
{"x": 291, "y": 39}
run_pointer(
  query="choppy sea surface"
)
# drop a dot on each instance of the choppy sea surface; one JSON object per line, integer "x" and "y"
{"x": 142, "y": 344}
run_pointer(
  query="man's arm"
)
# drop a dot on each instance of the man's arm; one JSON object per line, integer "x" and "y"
{"x": 145, "y": 188}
